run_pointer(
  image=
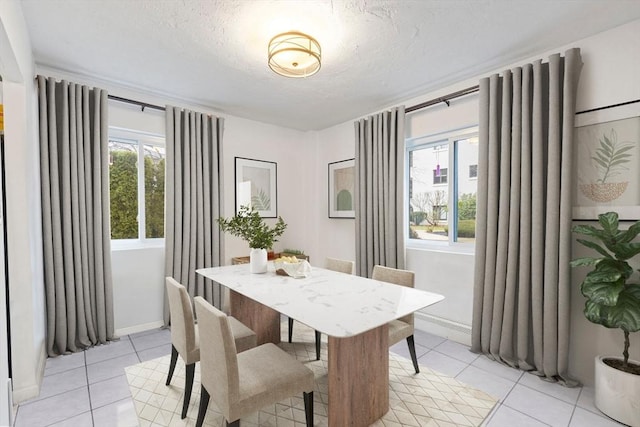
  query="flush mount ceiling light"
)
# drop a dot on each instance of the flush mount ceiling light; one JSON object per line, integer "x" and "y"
{"x": 294, "y": 54}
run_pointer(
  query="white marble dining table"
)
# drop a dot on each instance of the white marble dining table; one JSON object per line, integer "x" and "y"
{"x": 352, "y": 311}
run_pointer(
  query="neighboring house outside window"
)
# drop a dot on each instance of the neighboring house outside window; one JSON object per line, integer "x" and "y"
{"x": 136, "y": 181}
{"x": 442, "y": 183}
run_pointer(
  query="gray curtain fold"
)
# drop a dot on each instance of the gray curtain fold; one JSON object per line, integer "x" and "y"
{"x": 74, "y": 169}
{"x": 521, "y": 309}
{"x": 193, "y": 194}
{"x": 379, "y": 191}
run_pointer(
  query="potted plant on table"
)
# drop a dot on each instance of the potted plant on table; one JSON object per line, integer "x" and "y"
{"x": 613, "y": 301}
{"x": 249, "y": 226}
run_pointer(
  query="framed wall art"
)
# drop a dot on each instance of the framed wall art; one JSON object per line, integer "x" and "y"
{"x": 256, "y": 186}
{"x": 607, "y": 163}
{"x": 342, "y": 185}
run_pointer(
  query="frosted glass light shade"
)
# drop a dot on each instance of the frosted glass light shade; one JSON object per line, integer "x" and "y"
{"x": 294, "y": 54}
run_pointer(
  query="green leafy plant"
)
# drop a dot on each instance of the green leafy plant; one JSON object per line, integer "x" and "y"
{"x": 611, "y": 156}
{"x": 612, "y": 300}
{"x": 249, "y": 226}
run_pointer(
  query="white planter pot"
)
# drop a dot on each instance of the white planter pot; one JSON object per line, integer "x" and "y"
{"x": 617, "y": 393}
{"x": 258, "y": 260}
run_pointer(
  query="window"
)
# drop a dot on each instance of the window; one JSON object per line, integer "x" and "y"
{"x": 136, "y": 182}
{"x": 473, "y": 171}
{"x": 442, "y": 205}
{"x": 439, "y": 175}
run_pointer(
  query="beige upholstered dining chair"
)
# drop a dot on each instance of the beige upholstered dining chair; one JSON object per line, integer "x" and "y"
{"x": 334, "y": 264}
{"x": 185, "y": 338}
{"x": 243, "y": 383}
{"x": 403, "y": 327}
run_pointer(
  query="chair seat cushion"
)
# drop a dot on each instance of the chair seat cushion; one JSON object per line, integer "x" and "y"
{"x": 245, "y": 338}
{"x": 268, "y": 374}
{"x": 399, "y": 330}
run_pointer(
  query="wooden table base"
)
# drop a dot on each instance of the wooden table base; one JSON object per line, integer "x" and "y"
{"x": 358, "y": 366}
{"x": 262, "y": 320}
{"x": 359, "y": 378}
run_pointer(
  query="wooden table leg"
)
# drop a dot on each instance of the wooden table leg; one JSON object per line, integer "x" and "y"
{"x": 359, "y": 378}
{"x": 262, "y": 320}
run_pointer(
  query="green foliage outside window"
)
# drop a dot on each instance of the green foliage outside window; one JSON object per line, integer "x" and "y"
{"x": 123, "y": 182}
{"x": 154, "y": 197}
{"x": 467, "y": 206}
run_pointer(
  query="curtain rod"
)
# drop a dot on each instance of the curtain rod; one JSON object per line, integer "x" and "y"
{"x": 445, "y": 99}
{"x": 142, "y": 105}
{"x": 609, "y": 106}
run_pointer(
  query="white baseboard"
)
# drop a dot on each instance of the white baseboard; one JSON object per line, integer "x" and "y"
{"x": 6, "y": 406}
{"x": 139, "y": 328}
{"x": 446, "y": 328}
{"x": 25, "y": 393}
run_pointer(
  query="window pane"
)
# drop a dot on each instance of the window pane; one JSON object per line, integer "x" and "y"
{"x": 123, "y": 184}
{"x": 154, "y": 191}
{"x": 467, "y": 151}
{"x": 428, "y": 167}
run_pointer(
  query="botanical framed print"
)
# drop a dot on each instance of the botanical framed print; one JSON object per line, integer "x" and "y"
{"x": 342, "y": 185}
{"x": 256, "y": 186}
{"x": 607, "y": 163}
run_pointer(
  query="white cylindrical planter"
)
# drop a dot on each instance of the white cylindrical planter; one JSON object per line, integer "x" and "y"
{"x": 258, "y": 260}
{"x": 617, "y": 393}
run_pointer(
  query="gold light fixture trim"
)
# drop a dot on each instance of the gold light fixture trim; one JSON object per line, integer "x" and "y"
{"x": 294, "y": 54}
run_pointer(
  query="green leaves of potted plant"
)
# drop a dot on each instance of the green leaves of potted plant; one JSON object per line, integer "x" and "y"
{"x": 249, "y": 226}
{"x": 613, "y": 301}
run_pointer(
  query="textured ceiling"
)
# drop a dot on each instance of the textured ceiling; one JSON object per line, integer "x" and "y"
{"x": 375, "y": 53}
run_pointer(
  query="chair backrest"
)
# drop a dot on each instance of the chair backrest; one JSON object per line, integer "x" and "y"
{"x": 218, "y": 359}
{"x": 183, "y": 334}
{"x": 397, "y": 277}
{"x": 343, "y": 266}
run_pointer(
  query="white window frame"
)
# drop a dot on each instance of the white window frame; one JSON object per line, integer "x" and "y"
{"x": 140, "y": 139}
{"x": 450, "y": 138}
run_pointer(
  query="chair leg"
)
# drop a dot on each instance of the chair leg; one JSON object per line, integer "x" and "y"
{"x": 317, "y": 345}
{"x": 236, "y": 423}
{"x": 172, "y": 366}
{"x": 290, "y": 328}
{"x": 412, "y": 351}
{"x": 204, "y": 403}
{"x": 308, "y": 408}
{"x": 188, "y": 385}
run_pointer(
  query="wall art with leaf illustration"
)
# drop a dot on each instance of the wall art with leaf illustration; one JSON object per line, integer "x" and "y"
{"x": 607, "y": 163}
{"x": 256, "y": 186}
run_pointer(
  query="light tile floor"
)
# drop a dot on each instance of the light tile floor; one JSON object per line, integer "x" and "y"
{"x": 90, "y": 388}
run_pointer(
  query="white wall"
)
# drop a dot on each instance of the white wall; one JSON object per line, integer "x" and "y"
{"x": 293, "y": 153}
{"x": 609, "y": 76}
{"x": 335, "y": 236}
{"x": 24, "y": 235}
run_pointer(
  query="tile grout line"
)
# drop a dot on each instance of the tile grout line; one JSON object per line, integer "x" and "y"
{"x": 86, "y": 372}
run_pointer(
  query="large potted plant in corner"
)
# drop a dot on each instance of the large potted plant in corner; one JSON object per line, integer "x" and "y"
{"x": 249, "y": 226}
{"x": 613, "y": 301}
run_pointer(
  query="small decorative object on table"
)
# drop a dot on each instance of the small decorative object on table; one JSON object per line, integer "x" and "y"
{"x": 249, "y": 226}
{"x": 292, "y": 266}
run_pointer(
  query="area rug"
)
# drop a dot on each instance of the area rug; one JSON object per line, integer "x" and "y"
{"x": 426, "y": 399}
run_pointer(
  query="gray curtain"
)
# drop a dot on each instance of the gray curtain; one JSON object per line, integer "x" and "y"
{"x": 379, "y": 191}
{"x": 523, "y": 242}
{"x": 193, "y": 201}
{"x": 74, "y": 168}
